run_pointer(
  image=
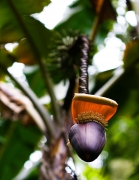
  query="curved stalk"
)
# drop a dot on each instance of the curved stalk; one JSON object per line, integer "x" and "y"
{"x": 40, "y": 61}
{"x": 30, "y": 94}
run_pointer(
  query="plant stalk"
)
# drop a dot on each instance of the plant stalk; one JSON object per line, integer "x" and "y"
{"x": 95, "y": 25}
{"x": 40, "y": 61}
{"x": 83, "y": 70}
{"x": 30, "y": 94}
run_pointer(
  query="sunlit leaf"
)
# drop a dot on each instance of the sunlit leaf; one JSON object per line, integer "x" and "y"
{"x": 12, "y": 32}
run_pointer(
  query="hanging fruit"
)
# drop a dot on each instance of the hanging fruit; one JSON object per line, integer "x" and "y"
{"x": 90, "y": 114}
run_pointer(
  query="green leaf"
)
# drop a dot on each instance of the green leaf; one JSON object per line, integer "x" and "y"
{"x": 20, "y": 143}
{"x": 25, "y": 7}
{"x": 86, "y": 16}
{"x": 11, "y": 32}
{"x": 33, "y": 75}
{"x": 40, "y": 34}
{"x": 30, "y": 6}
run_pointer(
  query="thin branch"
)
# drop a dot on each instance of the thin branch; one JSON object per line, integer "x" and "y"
{"x": 94, "y": 30}
{"x": 30, "y": 94}
{"x": 117, "y": 74}
{"x": 40, "y": 61}
{"x": 96, "y": 23}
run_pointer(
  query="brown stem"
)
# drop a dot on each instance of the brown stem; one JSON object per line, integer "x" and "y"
{"x": 96, "y": 23}
{"x": 95, "y": 28}
{"x": 83, "y": 71}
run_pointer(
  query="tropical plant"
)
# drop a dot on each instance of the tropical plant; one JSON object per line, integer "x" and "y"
{"x": 34, "y": 119}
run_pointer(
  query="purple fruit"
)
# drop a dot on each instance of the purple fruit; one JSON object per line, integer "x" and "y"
{"x": 88, "y": 140}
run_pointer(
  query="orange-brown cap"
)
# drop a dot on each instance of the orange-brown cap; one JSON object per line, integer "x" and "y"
{"x": 86, "y": 107}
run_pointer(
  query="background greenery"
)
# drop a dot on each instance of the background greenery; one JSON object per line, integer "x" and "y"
{"x": 19, "y": 135}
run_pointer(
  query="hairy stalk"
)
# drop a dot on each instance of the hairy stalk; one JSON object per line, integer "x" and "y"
{"x": 30, "y": 94}
{"x": 40, "y": 61}
{"x": 83, "y": 79}
{"x": 83, "y": 71}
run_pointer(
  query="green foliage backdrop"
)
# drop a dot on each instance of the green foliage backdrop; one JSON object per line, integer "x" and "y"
{"x": 49, "y": 60}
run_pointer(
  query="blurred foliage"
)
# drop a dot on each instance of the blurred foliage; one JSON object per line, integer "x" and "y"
{"x": 13, "y": 29}
{"x": 16, "y": 146}
{"x": 83, "y": 12}
{"x": 33, "y": 75}
{"x": 18, "y": 141}
{"x": 131, "y": 48}
{"x": 122, "y": 133}
{"x": 94, "y": 174}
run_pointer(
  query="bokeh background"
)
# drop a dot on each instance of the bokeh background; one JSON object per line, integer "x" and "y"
{"x": 38, "y": 67}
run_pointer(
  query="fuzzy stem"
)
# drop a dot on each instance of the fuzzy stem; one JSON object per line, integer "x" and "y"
{"x": 29, "y": 93}
{"x": 40, "y": 61}
{"x": 83, "y": 71}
